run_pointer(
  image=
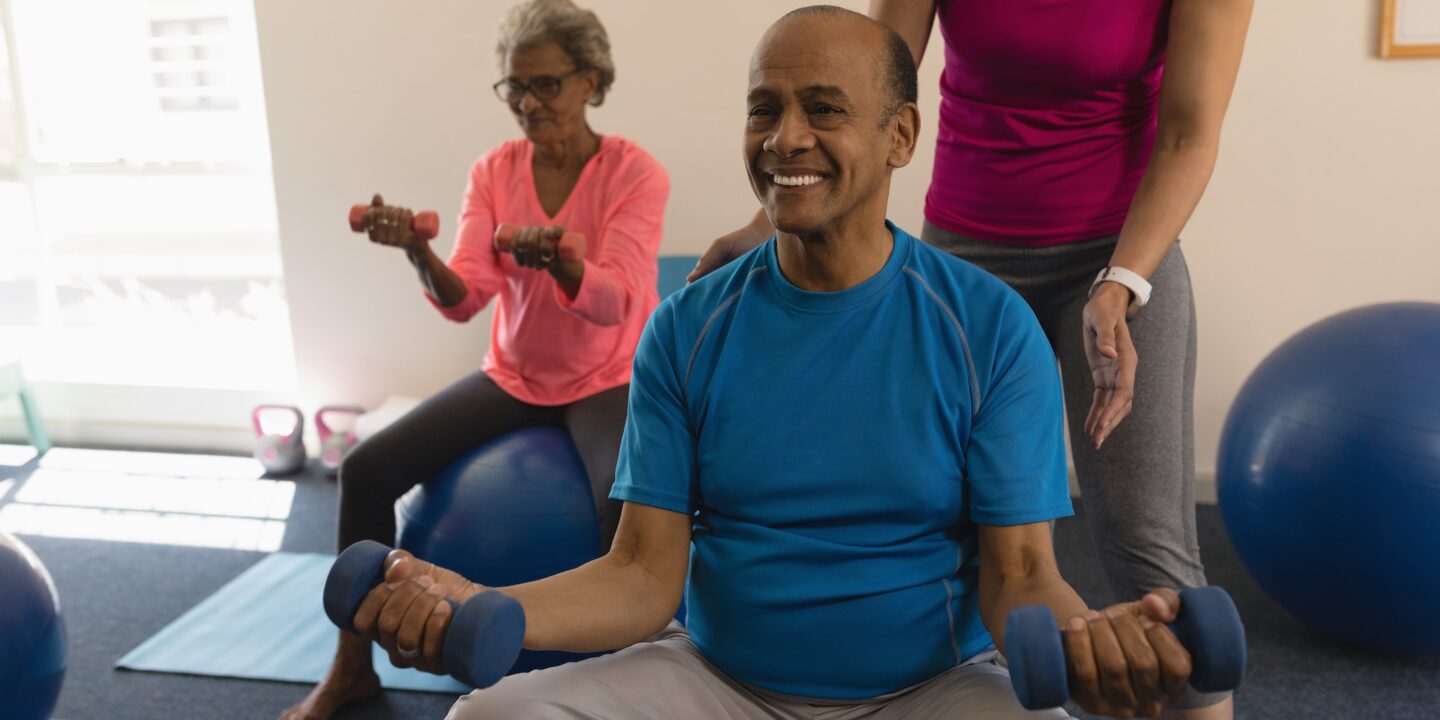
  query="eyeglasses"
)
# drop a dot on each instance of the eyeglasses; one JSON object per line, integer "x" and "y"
{"x": 543, "y": 87}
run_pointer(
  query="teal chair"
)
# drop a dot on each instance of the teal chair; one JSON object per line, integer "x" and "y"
{"x": 12, "y": 382}
{"x": 673, "y": 269}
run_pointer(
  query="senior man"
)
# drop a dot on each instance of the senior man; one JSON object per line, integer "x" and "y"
{"x": 849, "y": 441}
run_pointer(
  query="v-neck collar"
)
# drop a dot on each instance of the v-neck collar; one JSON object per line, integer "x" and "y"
{"x": 528, "y": 163}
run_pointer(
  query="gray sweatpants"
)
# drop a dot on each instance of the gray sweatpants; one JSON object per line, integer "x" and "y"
{"x": 1139, "y": 489}
{"x": 668, "y": 679}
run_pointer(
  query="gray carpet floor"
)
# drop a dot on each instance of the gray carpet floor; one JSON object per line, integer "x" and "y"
{"x": 115, "y": 595}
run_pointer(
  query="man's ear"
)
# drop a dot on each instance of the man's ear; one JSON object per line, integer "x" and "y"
{"x": 904, "y": 133}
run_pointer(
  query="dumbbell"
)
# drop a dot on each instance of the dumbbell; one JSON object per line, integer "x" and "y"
{"x": 572, "y": 245}
{"x": 425, "y": 224}
{"x": 1208, "y": 626}
{"x": 279, "y": 454}
{"x": 485, "y": 632}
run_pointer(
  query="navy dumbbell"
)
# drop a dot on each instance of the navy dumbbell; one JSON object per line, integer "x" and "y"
{"x": 1208, "y": 626}
{"x": 485, "y": 632}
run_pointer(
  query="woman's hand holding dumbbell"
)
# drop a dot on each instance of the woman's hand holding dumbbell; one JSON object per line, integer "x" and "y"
{"x": 538, "y": 248}
{"x": 394, "y": 226}
{"x": 546, "y": 248}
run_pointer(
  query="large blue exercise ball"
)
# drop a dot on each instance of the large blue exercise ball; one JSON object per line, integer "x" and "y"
{"x": 1329, "y": 476}
{"x": 514, "y": 510}
{"x": 32, "y": 635}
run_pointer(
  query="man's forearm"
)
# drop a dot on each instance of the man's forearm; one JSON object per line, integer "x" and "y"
{"x": 1044, "y": 587}
{"x": 606, "y": 604}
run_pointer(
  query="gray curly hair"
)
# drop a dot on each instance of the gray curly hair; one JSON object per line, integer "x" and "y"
{"x": 577, "y": 32}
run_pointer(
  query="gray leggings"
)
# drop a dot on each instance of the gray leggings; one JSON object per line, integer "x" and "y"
{"x": 1139, "y": 490}
{"x": 456, "y": 420}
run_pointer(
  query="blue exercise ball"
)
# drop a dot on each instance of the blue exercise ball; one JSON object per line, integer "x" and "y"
{"x": 1329, "y": 476}
{"x": 514, "y": 510}
{"x": 32, "y": 635}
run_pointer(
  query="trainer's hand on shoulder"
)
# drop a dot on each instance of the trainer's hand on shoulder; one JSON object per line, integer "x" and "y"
{"x": 1124, "y": 661}
{"x": 1111, "y": 354}
{"x": 407, "y": 614}
{"x": 731, "y": 246}
{"x": 391, "y": 225}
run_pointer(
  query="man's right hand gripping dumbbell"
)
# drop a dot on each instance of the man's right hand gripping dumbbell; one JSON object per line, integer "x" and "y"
{"x": 424, "y": 616}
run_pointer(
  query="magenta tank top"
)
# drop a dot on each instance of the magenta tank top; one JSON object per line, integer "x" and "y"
{"x": 1047, "y": 115}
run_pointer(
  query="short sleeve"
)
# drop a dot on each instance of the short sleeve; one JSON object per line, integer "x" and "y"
{"x": 657, "y": 463}
{"x": 1015, "y": 461}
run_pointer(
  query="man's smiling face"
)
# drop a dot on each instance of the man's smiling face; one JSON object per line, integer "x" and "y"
{"x": 818, "y": 135}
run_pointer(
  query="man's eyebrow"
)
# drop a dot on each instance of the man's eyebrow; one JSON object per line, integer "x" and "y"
{"x": 758, "y": 94}
{"x": 812, "y": 92}
{"x": 830, "y": 92}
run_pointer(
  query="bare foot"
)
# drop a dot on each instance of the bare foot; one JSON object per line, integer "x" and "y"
{"x": 341, "y": 686}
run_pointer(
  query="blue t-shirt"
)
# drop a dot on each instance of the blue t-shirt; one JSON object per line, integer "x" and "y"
{"x": 837, "y": 451}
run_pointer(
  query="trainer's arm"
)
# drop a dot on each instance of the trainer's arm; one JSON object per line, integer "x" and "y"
{"x": 619, "y": 599}
{"x": 910, "y": 19}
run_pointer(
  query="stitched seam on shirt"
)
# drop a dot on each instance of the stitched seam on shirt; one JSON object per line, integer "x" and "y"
{"x": 695, "y": 351}
{"x": 950, "y": 615}
{"x": 964, "y": 341}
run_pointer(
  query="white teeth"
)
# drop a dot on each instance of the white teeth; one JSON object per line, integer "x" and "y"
{"x": 796, "y": 180}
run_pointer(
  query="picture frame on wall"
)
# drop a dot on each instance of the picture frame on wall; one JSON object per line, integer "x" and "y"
{"x": 1409, "y": 28}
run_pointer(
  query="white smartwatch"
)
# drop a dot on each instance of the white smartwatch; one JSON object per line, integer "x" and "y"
{"x": 1138, "y": 286}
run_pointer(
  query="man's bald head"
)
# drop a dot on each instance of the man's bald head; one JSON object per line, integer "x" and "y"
{"x": 896, "y": 72}
{"x": 826, "y": 123}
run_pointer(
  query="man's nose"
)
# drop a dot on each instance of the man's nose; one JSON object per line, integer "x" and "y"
{"x": 791, "y": 135}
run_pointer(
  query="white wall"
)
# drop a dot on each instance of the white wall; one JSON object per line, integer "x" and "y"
{"x": 1325, "y": 197}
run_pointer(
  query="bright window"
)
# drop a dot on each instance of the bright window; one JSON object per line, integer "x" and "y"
{"x": 138, "y": 241}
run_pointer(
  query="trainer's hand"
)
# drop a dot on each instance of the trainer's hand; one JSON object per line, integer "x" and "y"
{"x": 1112, "y": 358}
{"x": 391, "y": 225}
{"x": 536, "y": 247}
{"x": 407, "y": 614}
{"x": 731, "y": 246}
{"x": 1124, "y": 661}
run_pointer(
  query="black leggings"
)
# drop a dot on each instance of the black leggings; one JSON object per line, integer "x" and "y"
{"x": 456, "y": 420}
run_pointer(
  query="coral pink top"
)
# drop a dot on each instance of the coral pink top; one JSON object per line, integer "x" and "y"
{"x": 546, "y": 349}
{"x": 1047, "y": 115}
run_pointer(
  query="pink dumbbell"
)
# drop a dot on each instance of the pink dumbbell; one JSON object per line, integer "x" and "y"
{"x": 426, "y": 223}
{"x": 572, "y": 245}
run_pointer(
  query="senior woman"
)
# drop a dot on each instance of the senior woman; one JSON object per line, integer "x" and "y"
{"x": 1075, "y": 139}
{"x": 565, "y": 331}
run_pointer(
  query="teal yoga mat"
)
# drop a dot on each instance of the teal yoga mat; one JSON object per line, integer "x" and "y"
{"x": 266, "y": 624}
